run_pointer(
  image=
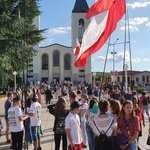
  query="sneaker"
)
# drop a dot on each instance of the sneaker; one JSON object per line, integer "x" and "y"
{"x": 30, "y": 145}
{"x": 84, "y": 146}
{"x": 39, "y": 148}
{"x": 139, "y": 148}
{"x": 8, "y": 141}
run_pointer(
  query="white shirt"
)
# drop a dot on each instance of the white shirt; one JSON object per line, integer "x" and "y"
{"x": 36, "y": 109}
{"x": 103, "y": 124}
{"x": 90, "y": 115}
{"x": 14, "y": 123}
{"x": 72, "y": 122}
{"x": 85, "y": 106}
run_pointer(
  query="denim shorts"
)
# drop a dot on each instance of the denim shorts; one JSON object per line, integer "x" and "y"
{"x": 35, "y": 132}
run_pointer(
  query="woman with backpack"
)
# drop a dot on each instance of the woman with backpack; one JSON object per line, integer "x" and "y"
{"x": 103, "y": 126}
{"x": 60, "y": 112}
{"x": 128, "y": 127}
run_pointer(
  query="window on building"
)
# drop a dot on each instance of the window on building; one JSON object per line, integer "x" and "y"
{"x": 137, "y": 80}
{"x": 67, "y": 62}
{"x": 147, "y": 79}
{"x": 81, "y": 31}
{"x": 128, "y": 80}
{"x": 81, "y": 22}
{"x": 45, "y": 62}
{"x": 118, "y": 79}
{"x": 56, "y": 58}
{"x": 143, "y": 78}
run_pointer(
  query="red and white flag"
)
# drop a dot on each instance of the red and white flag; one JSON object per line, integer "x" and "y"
{"x": 77, "y": 49}
{"x": 103, "y": 24}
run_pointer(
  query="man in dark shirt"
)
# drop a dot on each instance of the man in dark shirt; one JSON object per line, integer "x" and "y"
{"x": 48, "y": 96}
{"x": 7, "y": 105}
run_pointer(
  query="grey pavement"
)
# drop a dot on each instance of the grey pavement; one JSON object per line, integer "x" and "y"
{"x": 48, "y": 135}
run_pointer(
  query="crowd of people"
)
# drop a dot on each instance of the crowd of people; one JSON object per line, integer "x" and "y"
{"x": 98, "y": 119}
{"x": 113, "y": 122}
{"x": 22, "y": 113}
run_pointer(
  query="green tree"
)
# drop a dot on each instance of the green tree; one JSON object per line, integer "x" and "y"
{"x": 18, "y": 35}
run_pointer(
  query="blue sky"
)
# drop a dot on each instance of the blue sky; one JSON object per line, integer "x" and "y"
{"x": 56, "y": 18}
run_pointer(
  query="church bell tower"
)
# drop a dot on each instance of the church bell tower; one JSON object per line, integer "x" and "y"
{"x": 78, "y": 24}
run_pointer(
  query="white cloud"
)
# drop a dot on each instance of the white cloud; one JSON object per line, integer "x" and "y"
{"x": 132, "y": 28}
{"x": 119, "y": 57}
{"x": 101, "y": 58}
{"x": 148, "y": 24}
{"x": 146, "y": 59}
{"x": 134, "y": 22}
{"x": 138, "y": 4}
{"x": 138, "y": 20}
{"x": 136, "y": 60}
{"x": 59, "y": 30}
{"x": 47, "y": 41}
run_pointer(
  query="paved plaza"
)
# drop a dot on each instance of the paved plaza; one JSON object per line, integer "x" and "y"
{"x": 48, "y": 135}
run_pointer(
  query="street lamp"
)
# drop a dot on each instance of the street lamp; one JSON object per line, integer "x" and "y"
{"x": 94, "y": 74}
{"x": 113, "y": 53}
{"x": 15, "y": 73}
{"x": 126, "y": 68}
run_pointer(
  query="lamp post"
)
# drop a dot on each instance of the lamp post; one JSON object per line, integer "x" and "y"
{"x": 113, "y": 53}
{"x": 126, "y": 68}
{"x": 15, "y": 73}
{"x": 94, "y": 74}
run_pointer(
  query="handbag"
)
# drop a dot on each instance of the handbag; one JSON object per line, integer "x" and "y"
{"x": 148, "y": 138}
{"x": 121, "y": 139}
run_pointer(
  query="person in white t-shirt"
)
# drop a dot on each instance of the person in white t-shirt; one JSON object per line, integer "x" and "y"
{"x": 16, "y": 124}
{"x": 35, "y": 116}
{"x": 84, "y": 108}
{"x": 72, "y": 126}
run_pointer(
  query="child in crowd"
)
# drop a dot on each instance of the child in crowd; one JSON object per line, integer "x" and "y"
{"x": 1, "y": 127}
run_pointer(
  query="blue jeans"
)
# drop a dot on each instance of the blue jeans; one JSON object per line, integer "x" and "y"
{"x": 90, "y": 136}
{"x": 35, "y": 132}
{"x": 84, "y": 134}
{"x": 133, "y": 145}
{"x": 29, "y": 133}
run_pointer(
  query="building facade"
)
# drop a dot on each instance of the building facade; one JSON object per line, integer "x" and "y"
{"x": 141, "y": 78}
{"x": 56, "y": 62}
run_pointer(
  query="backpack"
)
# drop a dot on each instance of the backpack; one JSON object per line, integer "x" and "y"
{"x": 60, "y": 125}
{"x": 101, "y": 142}
{"x": 145, "y": 101}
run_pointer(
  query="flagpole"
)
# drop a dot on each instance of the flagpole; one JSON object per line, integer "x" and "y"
{"x": 113, "y": 53}
{"x": 130, "y": 49}
{"x": 101, "y": 85}
{"x": 124, "y": 57}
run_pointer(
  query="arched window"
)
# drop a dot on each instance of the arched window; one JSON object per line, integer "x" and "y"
{"x": 45, "y": 62}
{"x": 128, "y": 80}
{"x": 118, "y": 79}
{"x": 143, "y": 78}
{"x": 67, "y": 62}
{"x": 81, "y": 22}
{"x": 56, "y": 58}
{"x": 147, "y": 79}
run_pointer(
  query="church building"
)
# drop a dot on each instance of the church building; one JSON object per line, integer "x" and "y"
{"x": 56, "y": 62}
